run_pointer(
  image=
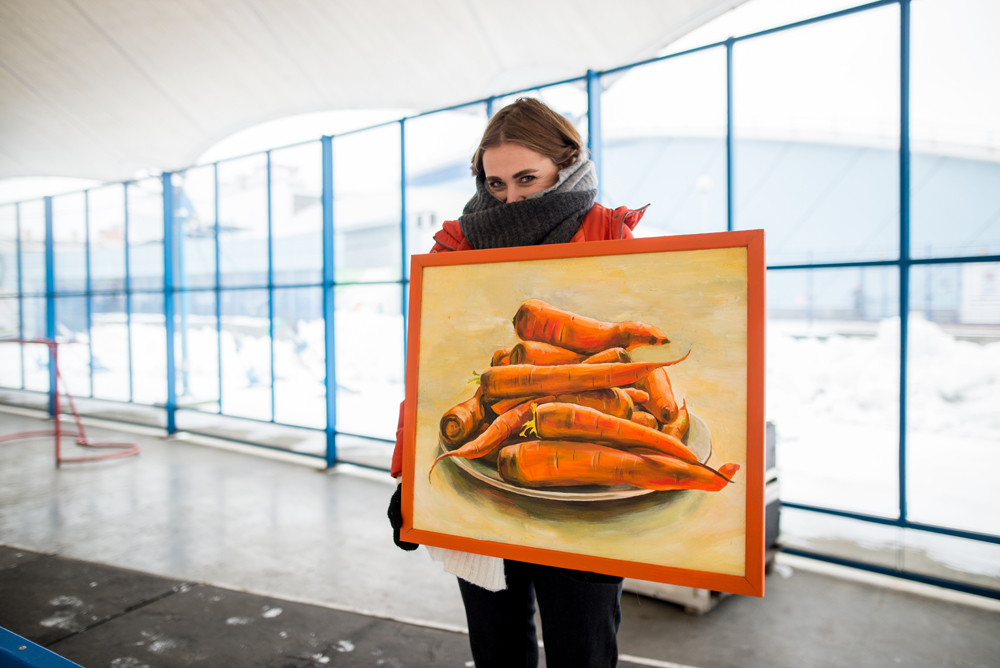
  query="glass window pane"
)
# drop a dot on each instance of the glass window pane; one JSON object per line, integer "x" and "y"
{"x": 106, "y": 209}
{"x": 149, "y": 349}
{"x": 370, "y": 366}
{"x": 439, "y": 180}
{"x": 663, "y": 128}
{"x": 243, "y": 243}
{"x": 33, "y": 247}
{"x": 194, "y": 215}
{"x": 833, "y": 386}
{"x": 953, "y": 463}
{"x": 74, "y": 358}
{"x": 246, "y": 354}
{"x": 110, "y": 346}
{"x": 366, "y": 205}
{"x": 299, "y": 357}
{"x": 817, "y": 125}
{"x": 69, "y": 233}
{"x": 10, "y": 353}
{"x": 36, "y": 357}
{"x": 297, "y": 214}
{"x": 8, "y": 250}
{"x": 145, "y": 234}
{"x": 954, "y": 128}
{"x": 974, "y": 562}
{"x": 196, "y": 351}
{"x": 569, "y": 99}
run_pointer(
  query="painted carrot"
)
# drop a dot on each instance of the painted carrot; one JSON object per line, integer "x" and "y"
{"x": 501, "y": 357}
{"x": 504, "y": 405}
{"x": 638, "y": 396}
{"x": 680, "y": 425}
{"x": 611, "y": 355}
{"x": 578, "y": 423}
{"x": 661, "y": 402}
{"x": 613, "y": 401}
{"x": 507, "y": 425}
{"x": 462, "y": 421}
{"x": 565, "y": 463}
{"x": 645, "y": 419}
{"x": 543, "y": 354}
{"x": 538, "y": 321}
{"x": 521, "y": 380}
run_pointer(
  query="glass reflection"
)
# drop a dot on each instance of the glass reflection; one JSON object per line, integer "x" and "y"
{"x": 299, "y": 358}
{"x": 69, "y": 235}
{"x": 110, "y": 346}
{"x": 246, "y": 354}
{"x": 439, "y": 180}
{"x": 953, "y": 384}
{"x": 818, "y": 168}
{"x": 106, "y": 218}
{"x": 833, "y": 386}
{"x": 369, "y": 339}
{"x": 367, "y": 205}
{"x": 297, "y": 210}
{"x": 663, "y": 129}
{"x": 196, "y": 351}
{"x": 243, "y": 242}
{"x": 8, "y": 250}
{"x": 145, "y": 234}
{"x": 194, "y": 216}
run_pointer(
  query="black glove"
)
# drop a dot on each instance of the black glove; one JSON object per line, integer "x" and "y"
{"x": 396, "y": 520}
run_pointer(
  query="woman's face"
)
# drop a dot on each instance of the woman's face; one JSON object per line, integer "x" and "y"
{"x": 513, "y": 172}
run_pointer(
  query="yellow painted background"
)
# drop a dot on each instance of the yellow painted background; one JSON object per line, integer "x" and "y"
{"x": 698, "y": 298}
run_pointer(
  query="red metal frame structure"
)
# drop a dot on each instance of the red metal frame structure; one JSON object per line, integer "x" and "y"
{"x": 118, "y": 450}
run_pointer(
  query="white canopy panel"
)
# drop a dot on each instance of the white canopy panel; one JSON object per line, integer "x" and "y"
{"x": 104, "y": 88}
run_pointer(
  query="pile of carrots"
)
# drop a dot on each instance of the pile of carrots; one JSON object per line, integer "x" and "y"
{"x": 567, "y": 406}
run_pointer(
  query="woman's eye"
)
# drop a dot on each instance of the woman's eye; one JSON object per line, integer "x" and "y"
{"x": 528, "y": 178}
{"x": 494, "y": 185}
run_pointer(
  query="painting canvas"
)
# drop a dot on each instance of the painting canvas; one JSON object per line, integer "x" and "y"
{"x": 594, "y": 406}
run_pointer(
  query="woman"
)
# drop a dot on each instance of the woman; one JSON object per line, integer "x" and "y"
{"x": 534, "y": 185}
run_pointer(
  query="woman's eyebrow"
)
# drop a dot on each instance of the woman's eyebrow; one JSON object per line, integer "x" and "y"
{"x": 524, "y": 172}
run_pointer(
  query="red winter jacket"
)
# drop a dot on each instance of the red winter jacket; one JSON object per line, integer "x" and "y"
{"x": 600, "y": 224}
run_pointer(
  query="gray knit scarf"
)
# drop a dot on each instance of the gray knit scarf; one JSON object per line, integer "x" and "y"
{"x": 551, "y": 216}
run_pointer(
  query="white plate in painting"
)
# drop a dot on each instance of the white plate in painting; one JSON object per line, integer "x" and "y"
{"x": 698, "y": 439}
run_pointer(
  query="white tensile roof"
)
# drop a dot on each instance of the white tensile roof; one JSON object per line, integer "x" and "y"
{"x": 102, "y": 89}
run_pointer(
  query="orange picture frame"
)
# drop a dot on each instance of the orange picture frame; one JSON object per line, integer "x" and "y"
{"x": 459, "y": 310}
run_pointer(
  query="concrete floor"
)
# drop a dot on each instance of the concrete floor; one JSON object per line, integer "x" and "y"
{"x": 192, "y": 513}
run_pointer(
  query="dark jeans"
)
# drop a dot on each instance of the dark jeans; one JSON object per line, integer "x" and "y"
{"x": 579, "y": 620}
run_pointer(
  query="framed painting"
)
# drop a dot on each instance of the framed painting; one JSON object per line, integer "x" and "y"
{"x": 595, "y": 406}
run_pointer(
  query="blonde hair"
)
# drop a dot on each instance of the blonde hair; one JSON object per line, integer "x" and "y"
{"x": 530, "y": 123}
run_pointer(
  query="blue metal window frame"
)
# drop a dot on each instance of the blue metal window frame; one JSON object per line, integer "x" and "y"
{"x": 592, "y": 81}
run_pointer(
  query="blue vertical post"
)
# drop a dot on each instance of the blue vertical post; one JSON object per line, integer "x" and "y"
{"x": 20, "y": 288}
{"x": 270, "y": 277}
{"x": 594, "y": 123}
{"x": 730, "y": 139}
{"x": 402, "y": 231}
{"x": 904, "y": 236}
{"x": 329, "y": 304}
{"x": 489, "y": 106}
{"x": 128, "y": 296}
{"x": 50, "y": 302}
{"x": 89, "y": 287}
{"x": 218, "y": 281}
{"x": 169, "y": 244}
